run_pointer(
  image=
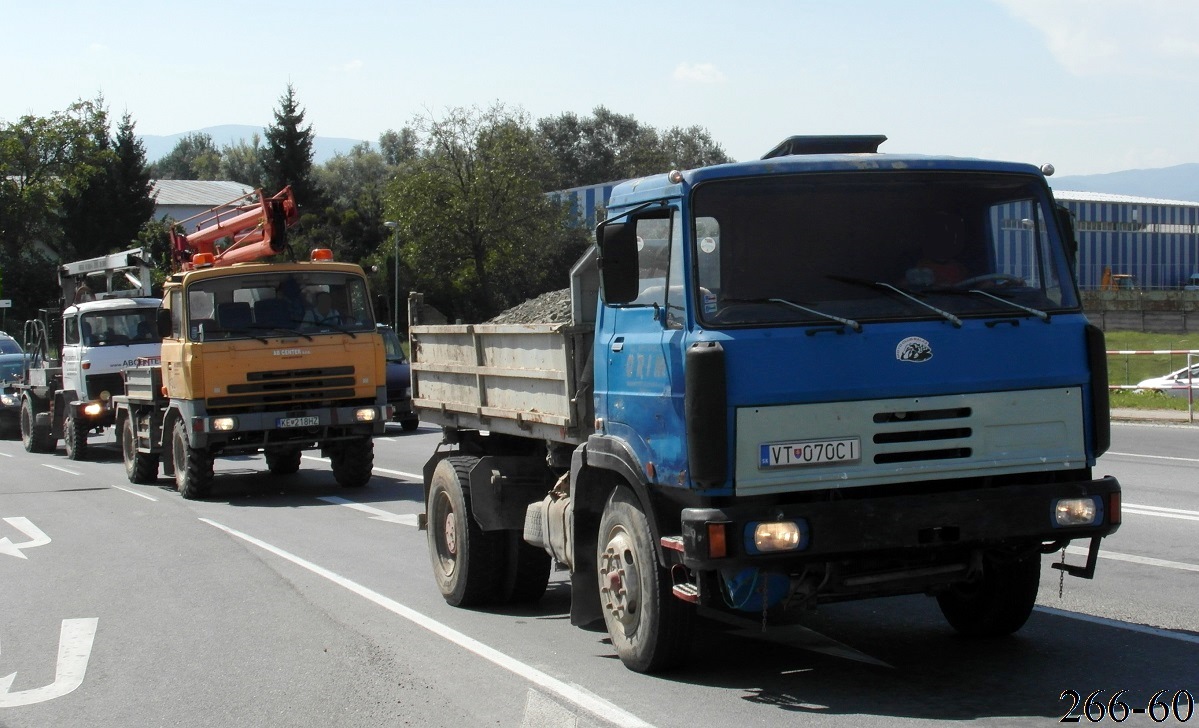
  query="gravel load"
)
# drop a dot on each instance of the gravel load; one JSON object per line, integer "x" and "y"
{"x": 548, "y": 308}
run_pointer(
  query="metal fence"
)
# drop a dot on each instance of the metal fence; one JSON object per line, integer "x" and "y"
{"x": 1184, "y": 380}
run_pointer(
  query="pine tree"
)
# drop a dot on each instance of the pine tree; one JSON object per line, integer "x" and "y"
{"x": 129, "y": 178}
{"x": 288, "y": 158}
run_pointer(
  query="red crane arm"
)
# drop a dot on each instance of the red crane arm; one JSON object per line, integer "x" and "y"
{"x": 255, "y": 225}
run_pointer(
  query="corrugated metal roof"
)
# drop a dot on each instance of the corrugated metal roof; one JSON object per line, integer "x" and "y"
{"x": 197, "y": 192}
{"x": 1070, "y": 196}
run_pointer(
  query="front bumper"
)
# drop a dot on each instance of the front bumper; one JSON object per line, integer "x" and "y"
{"x": 885, "y": 527}
{"x": 259, "y": 429}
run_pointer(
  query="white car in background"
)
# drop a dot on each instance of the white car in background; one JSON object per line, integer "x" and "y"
{"x": 1174, "y": 384}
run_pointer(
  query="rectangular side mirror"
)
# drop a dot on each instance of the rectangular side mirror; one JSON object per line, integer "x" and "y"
{"x": 618, "y": 262}
{"x": 164, "y": 323}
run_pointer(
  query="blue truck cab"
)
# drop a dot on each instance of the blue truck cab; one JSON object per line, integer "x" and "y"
{"x": 829, "y": 374}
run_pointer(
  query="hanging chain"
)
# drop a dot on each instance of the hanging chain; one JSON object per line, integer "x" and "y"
{"x": 762, "y": 591}
{"x": 1061, "y": 580}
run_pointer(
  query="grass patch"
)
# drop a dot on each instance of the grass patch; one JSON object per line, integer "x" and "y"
{"x": 1127, "y": 399}
{"x": 1130, "y": 369}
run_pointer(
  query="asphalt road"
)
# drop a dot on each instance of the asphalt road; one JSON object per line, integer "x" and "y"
{"x": 285, "y": 601}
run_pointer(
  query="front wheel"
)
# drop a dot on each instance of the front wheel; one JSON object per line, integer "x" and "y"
{"x": 649, "y": 627}
{"x": 140, "y": 467}
{"x": 353, "y": 461}
{"x": 283, "y": 462}
{"x": 468, "y": 562}
{"x": 997, "y": 604}
{"x": 193, "y": 468}
{"x": 410, "y": 425}
{"x": 74, "y": 438}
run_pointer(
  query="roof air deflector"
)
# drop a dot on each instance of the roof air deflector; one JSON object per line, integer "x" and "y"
{"x": 861, "y": 144}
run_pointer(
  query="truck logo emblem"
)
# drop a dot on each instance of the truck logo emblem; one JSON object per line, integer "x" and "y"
{"x": 291, "y": 352}
{"x": 914, "y": 349}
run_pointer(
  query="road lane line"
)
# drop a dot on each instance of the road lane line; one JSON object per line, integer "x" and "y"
{"x": 1141, "y": 512}
{"x": 61, "y": 470}
{"x": 385, "y": 471}
{"x": 134, "y": 492}
{"x": 1143, "y": 629}
{"x": 1160, "y": 508}
{"x": 1134, "y": 559}
{"x": 7, "y": 455}
{"x": 378, "y": 514}
{"x": 589, "y": 702}
{"x": 1153, "y": 457}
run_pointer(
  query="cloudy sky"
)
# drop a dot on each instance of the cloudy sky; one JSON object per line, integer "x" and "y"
{"x": 1089, "y": 85}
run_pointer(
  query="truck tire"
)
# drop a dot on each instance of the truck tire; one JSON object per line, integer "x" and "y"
{"x": 35, "y": 438}
{"x": 140, "y": 467}
{"x": 649, "y": 627}
{"x": 527, "y": 571}
{"x": 74, "y": 438}
{"x": 467, "y": 561}
{"x": 283, "y": 462}
{"x": 999, "y": 603}
{"x": 353, "y": 461}
{"x": 410, "y": 425}
{"x": 193, "y": 468}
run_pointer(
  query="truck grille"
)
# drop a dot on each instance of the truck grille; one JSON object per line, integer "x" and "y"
{"x": 284, "y": 387}
{"x": 921, "y": 443}
{"x": 113, "y": 383}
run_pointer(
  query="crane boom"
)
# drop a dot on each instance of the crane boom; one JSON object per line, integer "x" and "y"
{"x": 255, "y": 226}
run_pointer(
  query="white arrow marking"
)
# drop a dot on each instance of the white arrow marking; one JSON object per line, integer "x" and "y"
{"x": 406, "y": 519}
{"x": 74, "y": 649}
{"x": 22, "y": 524}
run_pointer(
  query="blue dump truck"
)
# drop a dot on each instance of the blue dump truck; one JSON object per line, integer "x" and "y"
{"x": 825, "y": 375}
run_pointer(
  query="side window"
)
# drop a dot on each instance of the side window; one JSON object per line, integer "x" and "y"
{"x": 176, "y": 304}
{"x": 653, "y": 257}
{"x": 71, "y": 330}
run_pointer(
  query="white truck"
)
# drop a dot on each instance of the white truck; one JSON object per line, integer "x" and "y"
{"x": 107, "y": 326}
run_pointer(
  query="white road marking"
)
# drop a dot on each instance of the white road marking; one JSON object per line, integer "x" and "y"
{"x": 407, "y": 519}
{"x": 7, "y": 455}
{"x": 589, "y": 702}
{"x": 384, "y": 471}
{"x": 1144, "y": 512}
{"x": 1154, "y": 457}
{"x": 1143, "y": 629}
{"x": 134, "y": 492}
{"x": 1134, "y": 559}
{"x": 1162, "y": 509}
{"x": 74, "y": 648}
{"x": 61, "y": 470}
{"x": 25, "y": 526}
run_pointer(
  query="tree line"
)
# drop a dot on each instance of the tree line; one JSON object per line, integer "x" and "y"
{"x": 461, "y": 196}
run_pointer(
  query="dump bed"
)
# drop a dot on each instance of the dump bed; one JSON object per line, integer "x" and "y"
{"x": 532, "y": 380}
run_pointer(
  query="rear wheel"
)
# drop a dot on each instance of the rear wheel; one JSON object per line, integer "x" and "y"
{"x": 74, "y": 437}
{"x": 467, "y": 561}
{"x": 193, "y": 468}
{"x": 353, "y": 461}
{"x": 649, "y": 626}
{"x": 283, "y": 462}
{"x": 140, "y": 467}
{"x": 35, "y": 438}
{"x": 410, "y": 425}
{"x": 997, "y": 604}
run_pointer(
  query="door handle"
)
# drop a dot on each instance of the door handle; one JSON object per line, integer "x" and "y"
{"x": 618, "y": 344}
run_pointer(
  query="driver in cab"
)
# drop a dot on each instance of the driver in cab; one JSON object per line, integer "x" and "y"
{"x": 940, "y": 262}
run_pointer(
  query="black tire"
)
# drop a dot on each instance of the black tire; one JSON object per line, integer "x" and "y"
{"x": 140, "y": 467}
{"x": 650, "y": 628}
{"x": 74, "y": 438}
{"x": 353, "y": 461}
{"x": 283, "y": 462}
{"x": 193, "y": 468}
{"x": 527, "y": 571}
{"x": 467, "y": 561}
{"x": 410, "y": 425}
{"x": 997, "y": 604}
{"x": 35, "y": 438}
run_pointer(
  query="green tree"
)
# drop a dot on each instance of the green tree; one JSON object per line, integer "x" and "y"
{"x": 129, "y": 176}
{"x": 399, "y": 147}
{"x": 477, "y": 231}
{"x": 195, "y": 156}
{"x": 354, "y": 186}
{"x": 287, "y": 159}
{"x": 243, "y": 162}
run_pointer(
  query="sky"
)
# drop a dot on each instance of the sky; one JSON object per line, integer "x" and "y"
{"x": 1090, "y": 86}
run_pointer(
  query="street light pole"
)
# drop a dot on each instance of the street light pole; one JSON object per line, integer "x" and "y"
{"x": 395, "y": 301}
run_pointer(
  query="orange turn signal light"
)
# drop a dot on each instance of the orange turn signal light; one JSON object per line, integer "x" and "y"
{"x": 718, "y": 546}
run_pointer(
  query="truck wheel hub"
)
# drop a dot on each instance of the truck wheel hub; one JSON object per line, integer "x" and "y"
{"x": 451, "y": 535}
{"x": 620, "y": 583}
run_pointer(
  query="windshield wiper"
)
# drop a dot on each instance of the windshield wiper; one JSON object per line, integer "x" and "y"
{"x": 857, "y": 327}
{"x": 247, "y": 332}
{"x": 1035, "y": 312}
{"x": 283, "y": 328}
{"x": 957, "y": 322}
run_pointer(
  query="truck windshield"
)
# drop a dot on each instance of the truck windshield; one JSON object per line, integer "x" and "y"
{"x": 119, "y": 327}
{"x": 261, "y": 304}
{"x": 871, "y": 247}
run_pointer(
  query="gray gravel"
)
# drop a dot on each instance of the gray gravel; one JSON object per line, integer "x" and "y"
{"x": 548, "y": 308}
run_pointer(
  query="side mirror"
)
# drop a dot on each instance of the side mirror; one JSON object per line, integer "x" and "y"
{"x": 164, "y": 323}
{"x": 618, "y": 262}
